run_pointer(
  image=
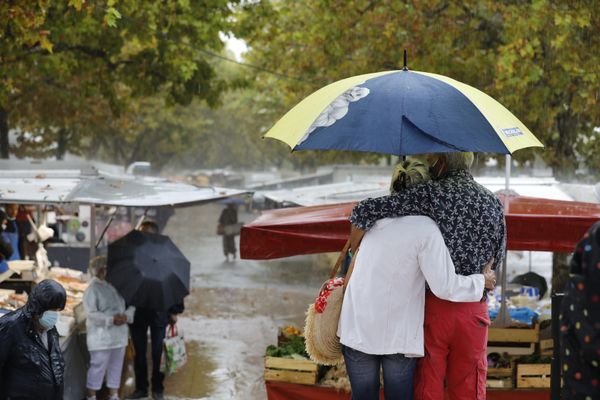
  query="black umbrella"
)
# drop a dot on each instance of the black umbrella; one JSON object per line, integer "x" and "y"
{"x": 148, "y": 270}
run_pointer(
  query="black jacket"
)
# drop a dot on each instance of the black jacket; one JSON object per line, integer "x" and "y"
{"x": 27, "y": 369}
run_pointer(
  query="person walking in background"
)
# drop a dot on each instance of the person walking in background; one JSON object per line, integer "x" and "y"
{"x": 381, "y": 322}
{"x": 6, "y": 249}
{"x": 580, "y": 322}
{"x": 31, "y": 362}
{"x": 107, "y": 331}
{"x": 471, "y": 220}
{"x": 156, "y": 321}
{"x": 228, "y": 217}
{"x": 11, "y": 232}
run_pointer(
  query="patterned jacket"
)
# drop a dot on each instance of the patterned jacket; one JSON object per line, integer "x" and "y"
{"x": 469, "y": 216}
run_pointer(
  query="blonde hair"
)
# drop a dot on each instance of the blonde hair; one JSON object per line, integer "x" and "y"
{"x": 96, "y": 264}
{"x": 459, "y": 161}
{"x": 408, "y": 173}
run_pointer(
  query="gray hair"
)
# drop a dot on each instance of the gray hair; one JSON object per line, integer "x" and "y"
{"x": 96, "y": 264}
{"x": 458, "y": 161}
{"x": 408, "y": 173}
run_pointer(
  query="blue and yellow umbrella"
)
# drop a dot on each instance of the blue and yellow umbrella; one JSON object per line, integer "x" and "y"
{"x": 402, "y": 112}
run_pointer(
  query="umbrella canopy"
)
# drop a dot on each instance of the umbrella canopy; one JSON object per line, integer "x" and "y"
{"x": 148, "y": 270}
{"x": 402, "y": 112}
{"x": 531, "y": 223}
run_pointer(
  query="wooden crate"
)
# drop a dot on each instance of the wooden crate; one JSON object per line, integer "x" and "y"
{"x": 514, "y": 335}
{"x": 517, "y": 349}
{"x": 500, "y": 372}
{"x": 290, "y": 370}
{"x": 499, "y": 383}
{"x": 547, "y": 347}
{"x": 499, "y": 378}
{"x": 513, "y": 341}
{"x": 533, "y": 376}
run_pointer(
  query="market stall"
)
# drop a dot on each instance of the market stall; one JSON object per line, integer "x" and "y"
{"x": 532, "y": 224}
{"x": 87, "y": 193}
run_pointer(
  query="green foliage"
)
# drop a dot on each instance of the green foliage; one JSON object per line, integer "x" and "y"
{"x": 104, "y": 54}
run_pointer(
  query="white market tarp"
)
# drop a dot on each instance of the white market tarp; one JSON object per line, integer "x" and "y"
{"x": 100, "y": 188}
{"x": 349, "y": 191}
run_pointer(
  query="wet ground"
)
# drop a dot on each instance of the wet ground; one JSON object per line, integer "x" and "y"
{"x": 234, "y": 309}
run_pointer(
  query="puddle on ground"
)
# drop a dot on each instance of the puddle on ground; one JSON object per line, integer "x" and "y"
{"x": 195, "y": 380}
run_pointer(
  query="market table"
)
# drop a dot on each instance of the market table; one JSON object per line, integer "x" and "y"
{"x": 294, "y": 391}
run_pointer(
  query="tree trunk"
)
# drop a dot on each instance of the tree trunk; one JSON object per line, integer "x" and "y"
{"x": 61, "y": 144}
{"x": 565, "y": 162}
{"x": 4, "y": 149}
{"x": 560, "y": 272}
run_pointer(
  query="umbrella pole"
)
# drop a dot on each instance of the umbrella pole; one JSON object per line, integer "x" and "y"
{"x": 503, "y": 318}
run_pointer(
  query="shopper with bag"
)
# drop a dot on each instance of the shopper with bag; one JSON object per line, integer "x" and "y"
{"x": 381, "y": 321}
{"x": 156, "y": 321}
{"x": 107, "y": 331}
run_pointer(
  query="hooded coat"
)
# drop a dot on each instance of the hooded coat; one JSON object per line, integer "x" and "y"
{"x": 29, "y": 370}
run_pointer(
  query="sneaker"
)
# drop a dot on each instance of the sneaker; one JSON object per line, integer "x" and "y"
{"x": 157, "y": 396}
{"x": 138, "y": 394}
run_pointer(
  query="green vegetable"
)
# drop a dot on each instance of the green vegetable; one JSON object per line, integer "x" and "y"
{"x": 295, "y": 346}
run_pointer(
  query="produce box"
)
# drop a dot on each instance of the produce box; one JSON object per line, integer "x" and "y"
{"x": 291, "y": 370}
{"x": 514, "y": 335}
{"x": 513, "y": 341}
{"x": 533, "y": 376}
{"x": 547, "y": 347}
{"x": 499, "y": 378}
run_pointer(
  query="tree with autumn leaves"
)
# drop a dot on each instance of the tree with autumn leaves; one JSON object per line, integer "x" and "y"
{"x": 130, "y": 79}
{"x": 67, "y": 66}
{"x": 539, "y": 58}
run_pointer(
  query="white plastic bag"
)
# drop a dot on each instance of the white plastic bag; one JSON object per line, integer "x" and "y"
{"x": 174, "y": 355}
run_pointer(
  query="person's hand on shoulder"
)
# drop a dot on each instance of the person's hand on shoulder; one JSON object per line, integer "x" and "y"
{"x": 489, "y": 275}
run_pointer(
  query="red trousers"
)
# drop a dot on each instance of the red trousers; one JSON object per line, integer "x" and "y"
{"x": 455, "y": 351}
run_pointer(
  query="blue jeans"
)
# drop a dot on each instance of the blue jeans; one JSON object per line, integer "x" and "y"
{"x": 363, "y": 371}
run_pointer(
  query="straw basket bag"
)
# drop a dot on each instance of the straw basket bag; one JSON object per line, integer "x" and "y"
{"x": 322, "y": 317}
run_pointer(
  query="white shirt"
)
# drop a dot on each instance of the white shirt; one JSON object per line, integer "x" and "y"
{"x": 384, "y": 304}
{"x": 101, "y": 302}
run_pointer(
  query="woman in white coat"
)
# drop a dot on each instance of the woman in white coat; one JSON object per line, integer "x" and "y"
{"x": 107, "y": 331}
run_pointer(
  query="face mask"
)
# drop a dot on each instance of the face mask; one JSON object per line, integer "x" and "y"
{"x": 49, "y": 319}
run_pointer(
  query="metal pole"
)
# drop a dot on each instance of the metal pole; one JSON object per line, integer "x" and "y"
{"x": 92, "y": 231}
{"x": 503, "y": 318}
{"x": 141, "y": 220}
{"x": 507, "y": 174}
{"x": 110, "y": 220}
{"x": 555, "y": 372}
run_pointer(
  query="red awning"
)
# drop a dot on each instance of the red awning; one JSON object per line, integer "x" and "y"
{"x": 532, "y": 224}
